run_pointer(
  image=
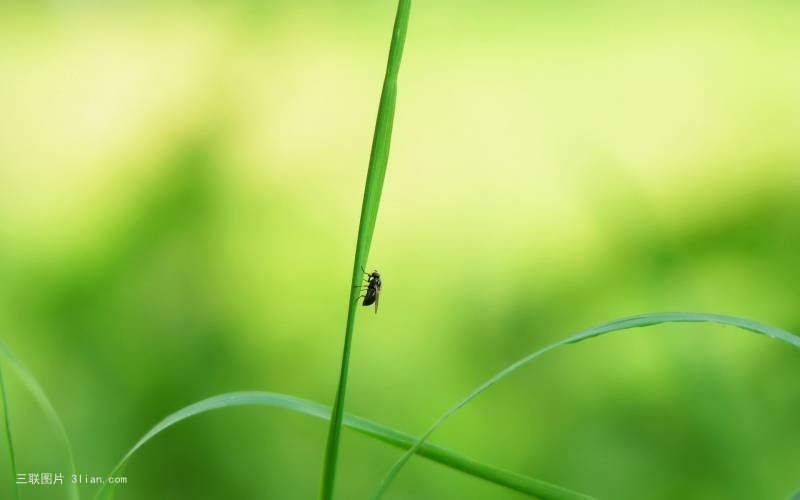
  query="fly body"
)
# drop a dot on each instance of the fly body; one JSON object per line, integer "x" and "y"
{"x": 373, "y": 289}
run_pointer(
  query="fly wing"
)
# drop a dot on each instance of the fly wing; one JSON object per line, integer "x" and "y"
{"x": 377, "y": 297}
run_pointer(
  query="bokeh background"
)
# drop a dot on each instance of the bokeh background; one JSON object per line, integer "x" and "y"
{"x": 180, "y": 186}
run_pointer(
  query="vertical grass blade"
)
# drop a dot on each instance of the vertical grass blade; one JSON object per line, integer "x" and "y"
{"x": 38, "y": 393}
{"x": 379, "y": 157}
{"x": 7, "y": 423}
{"x": 611, "y": 327}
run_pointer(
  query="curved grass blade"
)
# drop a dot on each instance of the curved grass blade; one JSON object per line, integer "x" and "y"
{"x": 614, "y": 326}
{"x": 7, "y": 423}
{"x": 523, "y": 484}
{"x": 379, "y": 158}
{"x": 38, "y": 393}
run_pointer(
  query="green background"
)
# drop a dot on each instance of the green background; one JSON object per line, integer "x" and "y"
{"x": 180, "y": 185}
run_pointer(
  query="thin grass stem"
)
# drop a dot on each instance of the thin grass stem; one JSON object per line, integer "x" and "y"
{"x": 639, "y": 321}
{"x": 379, "y": 158}
{"x": 12, "y": 457}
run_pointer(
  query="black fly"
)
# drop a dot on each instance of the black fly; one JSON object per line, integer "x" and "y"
{"x": 373, "y": 292}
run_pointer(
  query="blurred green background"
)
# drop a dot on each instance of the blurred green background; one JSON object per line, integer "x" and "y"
{"x": 180, "y": 185}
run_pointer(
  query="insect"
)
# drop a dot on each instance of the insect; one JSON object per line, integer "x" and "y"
{"x": 373, "y": 291}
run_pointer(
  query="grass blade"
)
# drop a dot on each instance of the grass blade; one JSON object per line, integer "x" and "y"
{"x": 7, "y": 423}
{"x": 614, "y": 326}
{"x": 523, "y": 484}
{"x": 38, "y": 393}
{"x": 379, "y": 158}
